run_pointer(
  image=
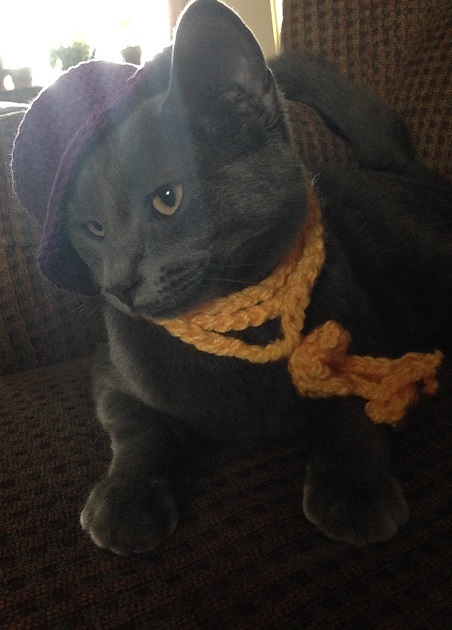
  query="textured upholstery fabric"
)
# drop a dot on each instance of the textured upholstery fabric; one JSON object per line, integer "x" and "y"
{"x": 244, "y": 555}
{"x": 378, "y": 34}
{"x": 422, "y": 92}
{"x": 401, "y": 50}
{"x": 318, "y": 146}
{"x": 38, "y": 324}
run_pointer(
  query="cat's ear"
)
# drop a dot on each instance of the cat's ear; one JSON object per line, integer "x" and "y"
{"x": 216, "y": 56}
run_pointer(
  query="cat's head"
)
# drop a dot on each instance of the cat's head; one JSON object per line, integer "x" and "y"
{"x": 197, "y": 191}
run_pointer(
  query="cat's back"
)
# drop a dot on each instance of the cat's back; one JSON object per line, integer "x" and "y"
{"x": 396, "y": 229}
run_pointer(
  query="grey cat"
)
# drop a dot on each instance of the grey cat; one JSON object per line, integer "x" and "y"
{"x": 198, "y": 193}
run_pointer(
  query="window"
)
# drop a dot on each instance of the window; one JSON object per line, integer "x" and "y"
{"x": 31, "y": 28}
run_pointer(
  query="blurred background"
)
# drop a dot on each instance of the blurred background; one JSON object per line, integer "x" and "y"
{"x": 40, "y": 38}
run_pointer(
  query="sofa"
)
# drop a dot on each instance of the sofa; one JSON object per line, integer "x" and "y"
{"x": 244, "y": 556}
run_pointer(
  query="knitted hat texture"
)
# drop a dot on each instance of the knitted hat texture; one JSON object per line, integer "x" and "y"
{"x": 58, "y": 128}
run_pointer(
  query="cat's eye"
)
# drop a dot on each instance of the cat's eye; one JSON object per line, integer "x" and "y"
{"x": 95, "y": 228}
{"x": 166, "y": 199}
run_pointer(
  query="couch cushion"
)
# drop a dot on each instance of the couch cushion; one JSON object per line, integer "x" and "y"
{"x": 244, "y": 555}
{"x": 422, "y": 91}
{"x": 317, "y": 145}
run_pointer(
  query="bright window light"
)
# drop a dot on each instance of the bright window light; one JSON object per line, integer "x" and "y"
{"x": 31, "y": 28}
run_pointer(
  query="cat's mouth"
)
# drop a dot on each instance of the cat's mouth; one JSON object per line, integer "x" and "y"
{"x": 167, "y": 292}
{"x": 167, "y": 307}
{"x": 115, "y": 301}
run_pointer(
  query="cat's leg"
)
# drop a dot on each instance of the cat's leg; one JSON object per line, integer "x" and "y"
{"x": 350, "y": 493}
{"x": 135, "y": 506}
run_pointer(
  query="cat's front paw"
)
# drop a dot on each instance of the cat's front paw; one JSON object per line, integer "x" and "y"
{"x": 357, "y": 510}
{"x": 129, "y": 516}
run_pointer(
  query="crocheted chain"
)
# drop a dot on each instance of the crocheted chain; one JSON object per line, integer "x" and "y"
{"x": 318, "y": 363}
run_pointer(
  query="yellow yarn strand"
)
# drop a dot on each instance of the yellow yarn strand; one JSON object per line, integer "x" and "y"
{"x": 318, "y": 362}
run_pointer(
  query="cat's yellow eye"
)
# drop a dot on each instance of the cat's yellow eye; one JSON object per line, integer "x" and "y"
{"x": 95, "y": 228}
{"x": 166, "y": 199}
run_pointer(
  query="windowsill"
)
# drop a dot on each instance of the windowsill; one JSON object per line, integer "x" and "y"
{"x": 20, "y": 95}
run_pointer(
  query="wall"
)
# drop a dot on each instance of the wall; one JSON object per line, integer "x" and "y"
{"x": 257, "y": 15}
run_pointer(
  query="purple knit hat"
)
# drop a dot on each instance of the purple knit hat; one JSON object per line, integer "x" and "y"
{"x": 59, "y": 127}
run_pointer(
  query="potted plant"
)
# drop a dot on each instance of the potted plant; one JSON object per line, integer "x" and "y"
{"x": 69, "y": 55}
{"x": 132, "y": 54}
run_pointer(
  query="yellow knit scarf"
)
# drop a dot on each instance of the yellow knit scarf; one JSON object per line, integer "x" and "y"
{"x": 318, "y": 362}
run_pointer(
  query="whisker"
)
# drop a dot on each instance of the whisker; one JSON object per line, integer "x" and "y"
{"x": 235, "y": 266}
{"x": 229, "y": 280}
